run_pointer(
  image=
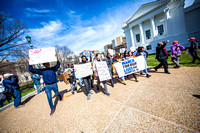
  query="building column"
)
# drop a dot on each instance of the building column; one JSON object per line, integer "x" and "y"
{"x": 142, "y": 33}
{"x": 132, "y": 38}
{"x": 167, "y": 17}
{"x": 153, "y": 28}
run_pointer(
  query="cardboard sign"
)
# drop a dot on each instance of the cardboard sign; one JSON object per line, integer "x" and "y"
{"x": 42, "y": 55}
{"x": 103, "y": 70}
{"x": 130, "y": 66}
{"x": 83, "y": 70}
{"x": 64, "y": 77}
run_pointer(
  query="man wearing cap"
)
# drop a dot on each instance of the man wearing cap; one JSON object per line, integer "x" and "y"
{"x": 11, "y": 83}
{"x": 50, "y": 80}
{"x": 194, "y": 48}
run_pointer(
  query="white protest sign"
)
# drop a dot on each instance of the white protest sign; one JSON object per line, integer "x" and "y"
{"x": 83, "y": 70}
{"x": 103, "y": 70}
{"x": 111, "y": 51}
{"x": 130, "y": 66}
{"x": 42, "y": 55}
{"x": 119, "y": 68}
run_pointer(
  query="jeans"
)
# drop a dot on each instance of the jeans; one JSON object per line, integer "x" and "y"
{"x": 37, "y": 87}
{"x": 122, "y": 78}
{"x": 73, "y": 86}
{"x": 104, "y": 83}
{"x": 48, "y": 89}
{"x": 87, "y": 82}
{"x": 17, "y": 98}
{"x": 80, "y": 81}
{"x": 111, "y": 75}
{"x": 195, "y": 56}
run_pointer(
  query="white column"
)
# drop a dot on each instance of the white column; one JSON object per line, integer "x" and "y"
{"x": 132, "y": 38}
{"x": 153, "y": 27}
{"x": 167, "y": 17}
{"x": 142, "y": 33}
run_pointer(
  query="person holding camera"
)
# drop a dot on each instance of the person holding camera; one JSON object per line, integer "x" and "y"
{"x": 11, "y": 85}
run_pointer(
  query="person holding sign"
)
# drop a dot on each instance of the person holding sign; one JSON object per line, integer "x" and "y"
{"x": 142, "y": 52}
{"x": 87, "y": 79}
{"x": 119, "y": 59}
{"x": 98, "y": 59}
{"x": 50, "y": 80}
{"x": 130, "y": 56}
{"x": 109, "y": 62}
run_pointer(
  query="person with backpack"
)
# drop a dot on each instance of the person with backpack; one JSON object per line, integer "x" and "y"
{"x": 162, "y": 56}
{"x": 11, "y": 83}
{"x": 50, "y": 80}
{"x": 176, "y": 53}
{"x": 194, "y": 46}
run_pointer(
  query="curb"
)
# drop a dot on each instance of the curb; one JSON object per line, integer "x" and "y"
{"x": 10, "y": 104}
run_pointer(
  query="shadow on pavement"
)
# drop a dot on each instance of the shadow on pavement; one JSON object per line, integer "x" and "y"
{"x": 28, "y": 99}
{"x": 197, "y": 96}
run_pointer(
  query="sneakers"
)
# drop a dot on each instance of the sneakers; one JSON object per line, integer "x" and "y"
{"x": 61, "y": 98}
{"x": 88, "y": 97}
{"x": 156, "y": 69}
{"x": 120, "y": 80}
{"x": 108, "y": 94}
{"x": 73, "y": 93}
{"x": 148, "y": 75}
{"x": 142, "y": 74}
{"x": 136, "y": 80}
{"x": 167, "y": 72}
{"x": 91, "y": 92}
{"x": 124, "y": 82}
{"x": 52, "y": 111}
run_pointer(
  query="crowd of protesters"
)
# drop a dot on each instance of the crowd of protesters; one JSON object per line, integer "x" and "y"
{"x": 9, "y": 86}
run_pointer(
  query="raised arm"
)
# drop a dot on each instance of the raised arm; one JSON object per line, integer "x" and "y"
{"x": 35, "y": 71}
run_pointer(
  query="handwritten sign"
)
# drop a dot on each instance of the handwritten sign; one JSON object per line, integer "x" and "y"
{"x": 83, "y": 70}
{"x": 103, "y": 70}
{"x": 130, "y": 66}
{"x": 42, "y": 55}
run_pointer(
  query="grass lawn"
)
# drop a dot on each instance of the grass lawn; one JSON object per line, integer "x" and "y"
{"x": 184, "y": 60}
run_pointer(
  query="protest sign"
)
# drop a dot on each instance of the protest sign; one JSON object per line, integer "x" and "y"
{"x": 111, "y": 51}
{"x": 64, "y": 77}
{"x": 103, "y": 70}
{"x": 87, "y": 53}
{"x": 83, "y": 70}
{"x": 130, "y": 66}
{"x": 42, "y": 55}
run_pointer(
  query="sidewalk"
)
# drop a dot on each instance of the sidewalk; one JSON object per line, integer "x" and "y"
{"x": 162, "y": 103}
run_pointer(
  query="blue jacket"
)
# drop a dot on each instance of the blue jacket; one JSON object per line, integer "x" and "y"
{"x": 36, "y": 79}
{"x": 49, "y": 75}
{"x": 10, "y": 84}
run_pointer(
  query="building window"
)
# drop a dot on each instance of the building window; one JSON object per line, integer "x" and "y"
{"x": 148, "y": 34}
{"x": 160, "y": 30}
{"x": 149, "y": 47}
{"x": 138, "y": 37}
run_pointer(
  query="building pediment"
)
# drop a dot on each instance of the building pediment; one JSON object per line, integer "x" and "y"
{"x": 147, "y": 8}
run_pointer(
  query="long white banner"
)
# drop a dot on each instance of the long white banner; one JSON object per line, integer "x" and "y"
{"x": 103, "y": 71}
{"x": 42, "y": 55}
{"x": 130, "y": 66}
{"x": 83, "y": 70}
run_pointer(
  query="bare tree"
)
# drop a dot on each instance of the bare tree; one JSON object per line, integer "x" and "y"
{"x": 63, "y": 52}
{"x": 11, "y": 32}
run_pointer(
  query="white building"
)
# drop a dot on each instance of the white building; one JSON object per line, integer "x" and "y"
{"x": 155, "y": 22}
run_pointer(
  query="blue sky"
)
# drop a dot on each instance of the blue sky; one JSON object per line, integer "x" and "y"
{"x": 78, "y": 24}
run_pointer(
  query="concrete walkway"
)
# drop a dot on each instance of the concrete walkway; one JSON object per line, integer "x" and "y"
{"x": 162, "y": 103}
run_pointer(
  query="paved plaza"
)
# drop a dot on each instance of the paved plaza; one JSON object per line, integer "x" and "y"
{"x": 162, "y": 103}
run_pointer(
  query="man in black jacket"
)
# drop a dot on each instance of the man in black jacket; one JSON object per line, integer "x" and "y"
{"x": 194, "y": 48}
{"x": 161, "y": 56}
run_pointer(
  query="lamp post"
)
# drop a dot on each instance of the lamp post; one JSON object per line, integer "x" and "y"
{"x": 28, "y": 38}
